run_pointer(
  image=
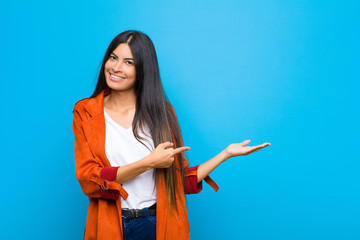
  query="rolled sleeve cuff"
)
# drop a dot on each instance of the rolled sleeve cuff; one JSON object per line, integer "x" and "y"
{"x": 191, "y": 184}
{"x": 109, "y": 174}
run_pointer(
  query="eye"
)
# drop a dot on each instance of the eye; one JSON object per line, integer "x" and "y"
{"x": 112, "y": 57}
{"x": 129, "y": 62}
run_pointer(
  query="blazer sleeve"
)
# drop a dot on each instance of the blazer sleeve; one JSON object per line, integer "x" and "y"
{"x": 190, "y": 173}
{"x": 95, "y": 181}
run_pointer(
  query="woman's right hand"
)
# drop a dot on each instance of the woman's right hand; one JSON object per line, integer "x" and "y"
{"x": 163, "y": 155}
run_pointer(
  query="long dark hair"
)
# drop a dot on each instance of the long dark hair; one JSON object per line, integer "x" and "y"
{"x": 153, "y": 107}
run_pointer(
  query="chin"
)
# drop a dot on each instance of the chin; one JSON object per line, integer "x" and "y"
{"x": 116, "y": 87}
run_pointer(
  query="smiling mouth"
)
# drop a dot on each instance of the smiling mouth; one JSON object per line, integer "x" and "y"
{"x": 116, "y": 77}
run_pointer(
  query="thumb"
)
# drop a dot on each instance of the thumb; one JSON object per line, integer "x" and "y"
{"x": 167, "y": 145}
{"x": 244, "y": 143}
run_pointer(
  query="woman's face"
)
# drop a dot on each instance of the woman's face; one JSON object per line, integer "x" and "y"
{"x": 120, "y": 73}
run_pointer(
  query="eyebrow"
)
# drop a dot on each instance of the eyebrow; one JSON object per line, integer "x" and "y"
{"x": 124, "y": 58}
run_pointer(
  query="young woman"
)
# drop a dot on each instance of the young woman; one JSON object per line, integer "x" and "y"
{"x": 129, "y": 154}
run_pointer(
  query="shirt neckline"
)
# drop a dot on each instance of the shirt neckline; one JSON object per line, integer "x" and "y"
{"x": 107, "y": 116}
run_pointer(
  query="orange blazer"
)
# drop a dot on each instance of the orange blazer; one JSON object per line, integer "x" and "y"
{"x": 97, "y": 180}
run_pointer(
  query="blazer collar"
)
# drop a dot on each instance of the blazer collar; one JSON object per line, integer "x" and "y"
{"x": 95, "y": 105}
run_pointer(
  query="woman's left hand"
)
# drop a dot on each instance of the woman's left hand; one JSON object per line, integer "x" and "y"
{"x": 237, "y": 149}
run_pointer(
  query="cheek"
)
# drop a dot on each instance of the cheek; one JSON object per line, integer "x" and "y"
{"x": 108, "y": 65}
{"x": 132, "y": 71}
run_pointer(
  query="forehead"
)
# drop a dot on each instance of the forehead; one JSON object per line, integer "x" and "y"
{"x": 123, "y": 51}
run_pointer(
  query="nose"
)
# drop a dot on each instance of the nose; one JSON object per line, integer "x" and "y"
{"x": 117, "y": 67}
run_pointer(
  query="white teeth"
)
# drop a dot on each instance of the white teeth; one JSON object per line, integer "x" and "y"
{"x": 116, "y": 76}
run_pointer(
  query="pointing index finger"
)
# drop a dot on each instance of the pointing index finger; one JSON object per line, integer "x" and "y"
{"x": 180, "y": 149}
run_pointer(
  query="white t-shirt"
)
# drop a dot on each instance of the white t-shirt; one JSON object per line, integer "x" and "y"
{"x": 122, "y": 148}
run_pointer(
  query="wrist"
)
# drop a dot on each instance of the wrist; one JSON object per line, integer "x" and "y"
{"x": 148, "y": 162}
{"x": 226, "y": 155}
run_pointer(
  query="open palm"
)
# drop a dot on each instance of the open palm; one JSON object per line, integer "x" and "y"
{"x": 237, "y": 149}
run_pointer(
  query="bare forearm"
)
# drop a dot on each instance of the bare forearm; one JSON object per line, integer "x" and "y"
{"x": 132, "y": 170}
{"x": 208, "y": 166}
{"x": 161, "y": 157}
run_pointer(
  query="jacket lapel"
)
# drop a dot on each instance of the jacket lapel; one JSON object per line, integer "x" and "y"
{"x": 94, "y": 126}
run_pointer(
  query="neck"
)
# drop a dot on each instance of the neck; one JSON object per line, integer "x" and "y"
{"x": 120, "y": 100}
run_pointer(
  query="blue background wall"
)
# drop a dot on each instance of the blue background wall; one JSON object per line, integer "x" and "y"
{"x": 284, "y": 72}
